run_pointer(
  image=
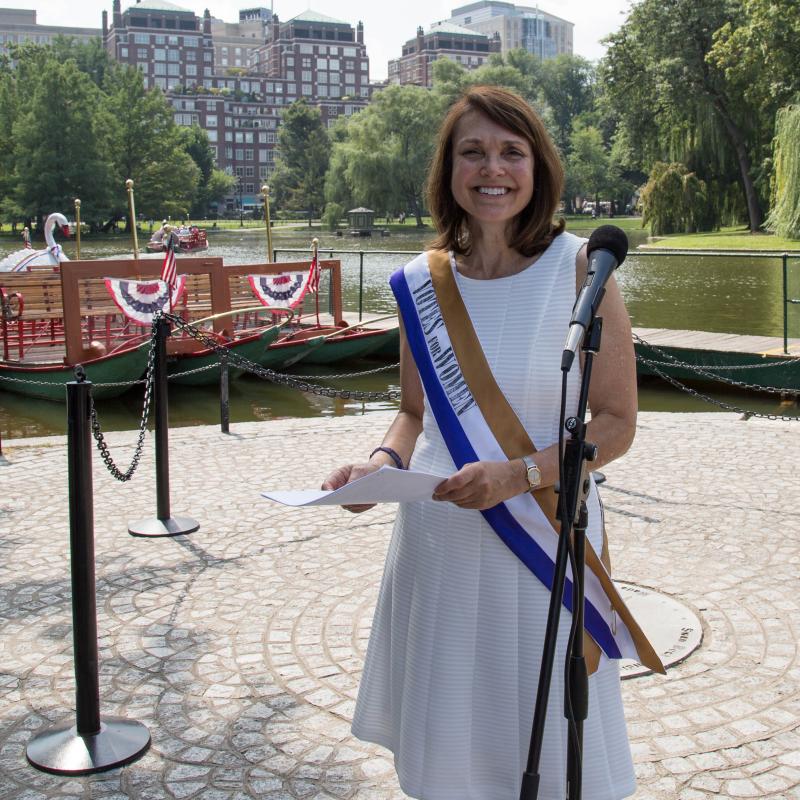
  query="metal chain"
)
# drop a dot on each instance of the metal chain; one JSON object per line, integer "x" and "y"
{"x": 277, "y": 377}
{"x": 672, "y": 361}
{"x": 705, "y": 398}
{"x": 98, "y": 434}
{"x": 345, "y": 375}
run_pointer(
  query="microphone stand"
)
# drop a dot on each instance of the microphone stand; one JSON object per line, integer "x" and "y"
{"x": 573, "y": 514}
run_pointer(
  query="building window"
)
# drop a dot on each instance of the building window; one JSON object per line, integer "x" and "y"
{"x": 334, "y": 64}
{"x": 249, "y": 172}
{"x": 322, "y": 63}
{"x": 212, "y": 136}
{"x": 123, "y": 52}
{"x": 239, "y": 153}
{"x": 349, "y": 77}
{"x": 160, "y": 83}
{"x": 159, "y": 39}
{"x": 191, "y": 70}
{"x": 248, "y": 187}
{"x": 143, "y": 66}
{"x": 228, "y": 152}
{"x": 307, "y": 90}
{"x": 159, "y": 68}
{"x": 141, "y": 38}
{"x": 191, "y": 55}
{"x": 191, "y": 41}
{"x": 141, "y": 53}
{"x": 307, "y": 75}
{"x": 173, "y": 55}
{"x": 159, "y": 54}
{"x": 173, "y": 69}
{"x": 211, "y": 121}
{"x": 248, "y": 154}
{"x": 208, "y": 56}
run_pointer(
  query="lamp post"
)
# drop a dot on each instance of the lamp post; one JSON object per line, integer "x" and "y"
{"x": 239, "y": 193}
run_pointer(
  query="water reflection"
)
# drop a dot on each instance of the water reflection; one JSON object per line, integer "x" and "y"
{"x": 736, "y": 294}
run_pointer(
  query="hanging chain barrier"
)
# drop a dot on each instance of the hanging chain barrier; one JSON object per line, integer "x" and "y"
{"x": 674, "y": 362}
{"x": 705, "y": 372}
{"x": 300, "y": 383}
{"x": 105, "y": 454}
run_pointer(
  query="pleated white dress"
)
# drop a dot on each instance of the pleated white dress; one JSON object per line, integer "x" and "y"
{"x": 452, "y": 665}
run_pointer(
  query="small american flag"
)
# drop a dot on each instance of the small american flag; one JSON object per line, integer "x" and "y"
{"x": 169, "y": 270}
{"x": 313, "y": 275}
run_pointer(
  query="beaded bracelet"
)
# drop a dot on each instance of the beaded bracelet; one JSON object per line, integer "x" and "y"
{"x": 391, "y": 453}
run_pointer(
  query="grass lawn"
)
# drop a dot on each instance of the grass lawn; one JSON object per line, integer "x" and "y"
{"x": 738, "y": 238}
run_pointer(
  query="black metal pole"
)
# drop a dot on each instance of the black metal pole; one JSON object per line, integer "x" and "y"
{"x": 164, "y": 524}
{"x": 577, "y": 453}
{"x": 93, "y": 744}
{"x": 360, "y": 284}
{"x": 81, "y": 539}
{"x": 224, "y": 396}
{"x": 785, "y": 259}
{"x": 160, "y": 397}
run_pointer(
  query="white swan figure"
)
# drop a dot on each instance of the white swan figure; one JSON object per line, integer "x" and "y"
{"x": 51, "y": 256}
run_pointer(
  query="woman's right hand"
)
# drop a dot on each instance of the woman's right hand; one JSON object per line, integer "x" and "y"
{"x": 347, "y": 474}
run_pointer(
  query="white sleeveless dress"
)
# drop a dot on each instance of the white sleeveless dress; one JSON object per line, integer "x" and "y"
{"x": 450, "y": 678}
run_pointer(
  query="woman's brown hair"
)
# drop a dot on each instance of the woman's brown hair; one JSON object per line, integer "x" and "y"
{"x": 534, "y": 228}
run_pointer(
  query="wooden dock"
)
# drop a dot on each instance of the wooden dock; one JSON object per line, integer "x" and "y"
{"x": 758, "y": 361}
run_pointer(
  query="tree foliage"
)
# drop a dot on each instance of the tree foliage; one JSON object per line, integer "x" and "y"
{"x": 298, "y": 181}
{"x": 384, "y": 158}
{"x": 148, "y": 147}
{"x": 677, "y": 103}
{"x": 675, "y": 200}
{"x": 784, "y": 218}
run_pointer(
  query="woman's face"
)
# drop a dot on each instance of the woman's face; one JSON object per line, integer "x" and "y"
{"x": 492, "y": 170}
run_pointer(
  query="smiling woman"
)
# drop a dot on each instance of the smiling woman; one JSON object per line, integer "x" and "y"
{"x": 452, "y": 666}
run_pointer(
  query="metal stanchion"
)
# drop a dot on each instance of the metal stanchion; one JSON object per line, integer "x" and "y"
{"x": 224, "y": 398}
{"x": 94, "y": 743}
{"x": 164, "y": 524}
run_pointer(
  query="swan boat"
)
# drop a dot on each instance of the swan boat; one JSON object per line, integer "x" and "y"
{"x": 50, "y": 256}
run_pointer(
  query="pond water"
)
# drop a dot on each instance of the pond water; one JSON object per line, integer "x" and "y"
{"x": 737, "y": 294}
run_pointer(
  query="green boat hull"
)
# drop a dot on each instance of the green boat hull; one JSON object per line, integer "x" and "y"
{"x": 281, "y": 355}
{"x": 47, "y": 382}
{"x": 181, "y": 370}
{"x": 349, "y": 347}
{"x": 773, "y": 370}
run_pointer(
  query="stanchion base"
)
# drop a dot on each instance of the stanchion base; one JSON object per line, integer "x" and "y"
{"x": 174, "y": 526}
{"x": 63, "y": 751}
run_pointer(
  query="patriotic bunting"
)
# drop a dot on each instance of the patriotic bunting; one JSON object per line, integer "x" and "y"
{"x": 285, "y": 290}
{"x": 139, "y": 300}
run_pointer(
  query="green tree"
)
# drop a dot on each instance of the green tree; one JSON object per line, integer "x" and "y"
{"x": 678, "y": 104}
{"x": 148, "y": 147}
{"x": 784, "y": 218}
{"x": 567, "y": 86}
{"x": 588, "y": 164}
{"x": 384, "y": 159}
{"x": 675, "y": 200}
{"x": 90, "y": 57}
{"x": 214, "y": 184}
{"x": 61, "y": 147}
{"x": 298, "y": 181}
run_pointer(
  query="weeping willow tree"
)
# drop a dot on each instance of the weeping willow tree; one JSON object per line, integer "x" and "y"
{"x": 675, "y": 200}
{"x": 784, "y": 218}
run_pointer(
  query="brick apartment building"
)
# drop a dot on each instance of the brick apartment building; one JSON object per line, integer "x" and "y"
{"x": 443, "y": 40}
{"x": 239, "y": 103}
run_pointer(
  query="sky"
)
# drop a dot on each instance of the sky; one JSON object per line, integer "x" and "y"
{"x": 387, "y": 24}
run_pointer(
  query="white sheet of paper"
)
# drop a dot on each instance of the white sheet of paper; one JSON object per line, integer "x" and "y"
{"x": 386, "y": 485}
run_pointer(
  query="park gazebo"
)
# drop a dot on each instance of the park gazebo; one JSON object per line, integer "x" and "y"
{"x": 361, "y": 221}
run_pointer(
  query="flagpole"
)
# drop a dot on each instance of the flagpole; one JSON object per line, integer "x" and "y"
{"x": 132, "y": 217}
{"x": 315, "y": 262}
{"x": 265, "y": 192}
{"x": 77, "y": 229}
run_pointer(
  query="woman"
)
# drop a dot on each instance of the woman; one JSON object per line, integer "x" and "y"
{"x": 451, "y": 672}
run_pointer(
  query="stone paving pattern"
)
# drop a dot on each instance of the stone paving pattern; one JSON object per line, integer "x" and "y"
{"x": 241, "y": 646}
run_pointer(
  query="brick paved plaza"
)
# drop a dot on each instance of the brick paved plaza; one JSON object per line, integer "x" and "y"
{"x": 241, "y": 646}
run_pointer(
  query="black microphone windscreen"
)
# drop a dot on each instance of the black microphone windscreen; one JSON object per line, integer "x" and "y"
{"x": 609, "y": 237}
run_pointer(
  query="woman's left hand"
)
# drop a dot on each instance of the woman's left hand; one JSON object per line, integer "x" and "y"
{"x": 483, "y": 484}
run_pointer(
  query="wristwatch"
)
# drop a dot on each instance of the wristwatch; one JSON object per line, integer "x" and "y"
{"x": 534, "y": 474}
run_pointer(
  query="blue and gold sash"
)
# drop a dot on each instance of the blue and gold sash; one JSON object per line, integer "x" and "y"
{"x": 478, "y": 424}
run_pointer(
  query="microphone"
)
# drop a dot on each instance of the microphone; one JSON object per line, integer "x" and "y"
{"x": 607, "y": 248}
